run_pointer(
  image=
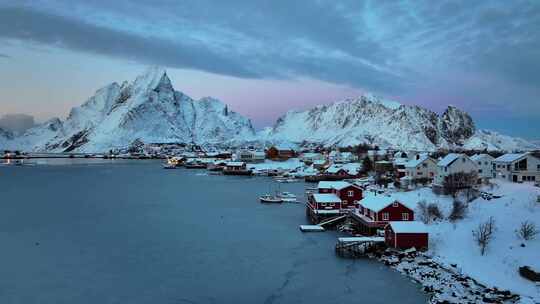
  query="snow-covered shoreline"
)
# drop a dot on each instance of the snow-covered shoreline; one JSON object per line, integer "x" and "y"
{"x": 443, "y": 284}
{"x": 452, "y": 246}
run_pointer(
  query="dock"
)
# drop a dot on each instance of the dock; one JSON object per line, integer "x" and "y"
{"x": 311, "y": 228}
{"x": 355, "y": 247}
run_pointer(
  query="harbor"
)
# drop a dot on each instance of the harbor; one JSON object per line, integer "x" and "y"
{"x": 165, "y": 238}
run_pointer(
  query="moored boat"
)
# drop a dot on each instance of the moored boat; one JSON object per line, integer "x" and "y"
{"x": 272, "y": 199}
{"x": 287, "y": 197}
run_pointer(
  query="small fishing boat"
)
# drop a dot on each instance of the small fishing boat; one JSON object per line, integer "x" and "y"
{"x": 272, "y": 199}
{"x": 287, "y": 196}
{"x": 169, "y": 166}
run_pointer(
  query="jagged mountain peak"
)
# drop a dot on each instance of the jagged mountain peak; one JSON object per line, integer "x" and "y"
{"x": 148, "y": 109}
{"x": 151, "y": 78}
{"x": 371, "y": 119}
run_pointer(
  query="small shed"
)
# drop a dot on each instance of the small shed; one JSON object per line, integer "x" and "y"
{"x": 404, "y": 235}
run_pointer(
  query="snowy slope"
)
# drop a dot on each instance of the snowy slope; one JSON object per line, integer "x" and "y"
{"x": 490, "y": 140}
{"x": 453, "y": 243}
{"x": 370, "y": 119}
{"x": 148, "y": 109}
{"x": 6, "y": 139}
{"x": 362, "y": 120}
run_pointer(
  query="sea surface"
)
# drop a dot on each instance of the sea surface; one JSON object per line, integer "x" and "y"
{"x": 112, "y": 231}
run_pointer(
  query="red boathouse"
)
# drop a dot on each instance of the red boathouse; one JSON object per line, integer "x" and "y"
{"x": 405, "y": 235}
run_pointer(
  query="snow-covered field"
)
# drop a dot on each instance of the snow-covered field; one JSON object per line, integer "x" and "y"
{"x": 453, "y": 243}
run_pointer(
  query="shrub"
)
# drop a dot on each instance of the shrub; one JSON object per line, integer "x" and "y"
{"x": 459, "y": 209}
{"x": 527, "y": 231}
{"x": 429, "y": 212}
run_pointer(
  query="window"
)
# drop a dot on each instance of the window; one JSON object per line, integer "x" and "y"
{"x": 331, "y": 204}
{"x": 323, "y": 204}
{"x": 385, "y": 216}
{"x": 538, "y": 167}
{"x": 445, "y": 169}
{"x": 424, "y": 165}
{"x": 479, "y": 163}
{"x": 395, "y": 204}
{"x": 463, "y": 159}
{"x": 355, "y": 202}
{"x": 351, "y": 193}
{"x": 486, "y": 163}
{"x": 405, "y": 216}
{"x": 479, "y": 170}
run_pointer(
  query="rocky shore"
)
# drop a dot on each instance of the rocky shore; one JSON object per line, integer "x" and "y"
{"x": 444, "y": 285}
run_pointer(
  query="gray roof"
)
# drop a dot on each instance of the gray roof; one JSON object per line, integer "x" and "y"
{"x": 448, "y": 159}
{"x": 510, "y": 157}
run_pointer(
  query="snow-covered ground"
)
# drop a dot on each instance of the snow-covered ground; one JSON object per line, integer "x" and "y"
{"x": 453, "y": 243}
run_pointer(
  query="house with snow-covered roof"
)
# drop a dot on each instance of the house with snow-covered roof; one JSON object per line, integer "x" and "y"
{"x": 518, "y": 167}
{"x": 342, "y": 157}
{"x": 310, "y": 157}
{"x": 251, "y": 156}
{"x": 485, "y": 165}
{"x": 281, "y": 152}
{"x": 421, "y": 166}
{"x": 405, "y": 235}
{"x": 451, "y": 164}
{"x": 343, "y": 170}
{"x": 349, "y": 194}
{"x": 376, "y": 210}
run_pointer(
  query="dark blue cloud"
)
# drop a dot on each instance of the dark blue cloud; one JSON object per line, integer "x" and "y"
{"x": 397, "y": 48}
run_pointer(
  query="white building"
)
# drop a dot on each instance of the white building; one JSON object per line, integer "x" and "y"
{"x": 422, "y": 166}
{"x": 485, "y": 165}
{"x": 453, "y": 163}
{"x": 342, "y": 157}
{"x": 250, "y": 156}
{"x": 523, "y": 167}
{"x": 311, "y": 157}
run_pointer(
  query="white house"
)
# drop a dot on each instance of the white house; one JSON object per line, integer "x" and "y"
{"x": 421, "y": 166}
{"x": 453, "y": 163}
{"x": 311, "y": 157}
{"x": 521, "y": 167}
{"x": 251, "y": 156}
{"x": 485, "y": 165}
{"x": 342, "y": 157}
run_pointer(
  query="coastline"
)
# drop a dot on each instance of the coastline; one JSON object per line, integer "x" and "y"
{"x": 443, "y": 284}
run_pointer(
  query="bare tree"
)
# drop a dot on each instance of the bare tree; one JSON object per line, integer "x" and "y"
{"x": 429, "y": 212}
{"x": 459, "y": 209}
{"x": 422, "y": 211}
{"x": 484, "y": 234}
{"x": 455, "y": 182}
{"x": 527, "y": 231}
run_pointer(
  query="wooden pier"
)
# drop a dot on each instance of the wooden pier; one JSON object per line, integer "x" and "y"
{"x": 355, "y": 247}
{"x": 311, "y": 228}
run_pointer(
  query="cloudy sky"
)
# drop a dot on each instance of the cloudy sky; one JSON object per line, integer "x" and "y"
{"x": 265, "y": 57}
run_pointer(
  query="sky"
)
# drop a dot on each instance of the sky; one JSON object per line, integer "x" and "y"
{"x": 266, "y": 57}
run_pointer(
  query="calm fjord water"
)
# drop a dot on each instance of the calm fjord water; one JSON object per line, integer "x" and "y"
{"x": 130, "y": 232}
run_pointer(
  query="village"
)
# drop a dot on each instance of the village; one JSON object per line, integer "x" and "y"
{"x": 425, "y": 214}
{"x": 428, "y": 215}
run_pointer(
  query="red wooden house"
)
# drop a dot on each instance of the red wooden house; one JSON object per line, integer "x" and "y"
{"x": 376, "y": 211}
{"x": 333, "y": 198}
{"x": 404, "y": 235}
{"x": 349, "y": 194}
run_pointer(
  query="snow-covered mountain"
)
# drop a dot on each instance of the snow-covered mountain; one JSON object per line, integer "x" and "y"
{"x": 370, "y": 119}
{"x": 6, "y": 137}
{"x": 148, "y": 109}
{"x": 491, "y": 140}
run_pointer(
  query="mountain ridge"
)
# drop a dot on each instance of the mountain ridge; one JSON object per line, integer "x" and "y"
{"x": 149, "y": 109}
